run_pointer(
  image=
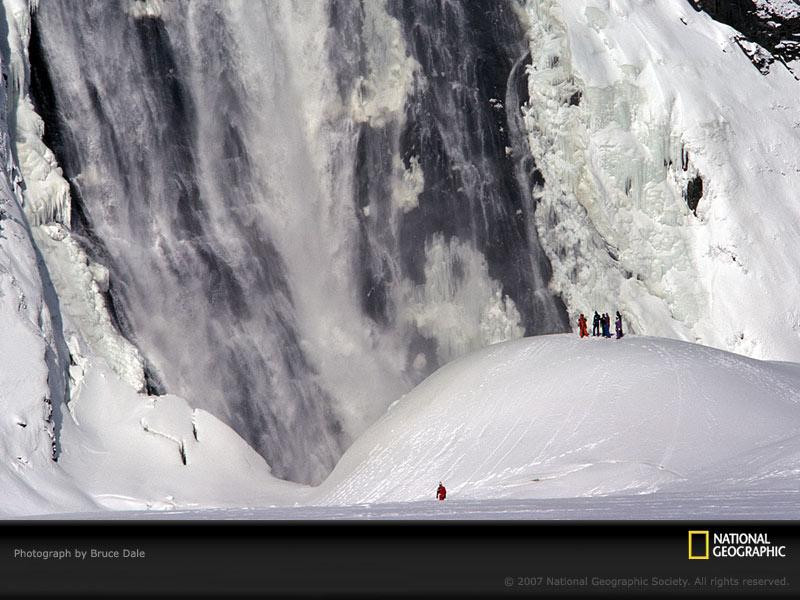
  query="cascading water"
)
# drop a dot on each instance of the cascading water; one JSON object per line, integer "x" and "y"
{"x": 464, "y": 127}
{"x": 305, "y": 207}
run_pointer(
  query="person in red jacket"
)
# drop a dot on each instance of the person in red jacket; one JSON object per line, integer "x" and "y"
{"x": 441, "y": 492}
{"x": 583, "y": 325}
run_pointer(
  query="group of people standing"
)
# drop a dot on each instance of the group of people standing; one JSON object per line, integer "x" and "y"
{"x": 601, "y": 325}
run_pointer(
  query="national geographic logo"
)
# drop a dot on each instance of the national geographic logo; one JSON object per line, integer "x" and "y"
{"x": 704, "y": 545}
{"x": 698, "y": 545}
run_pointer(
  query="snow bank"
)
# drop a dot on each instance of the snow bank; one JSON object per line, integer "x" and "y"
{"x": 558, "y": 417}
{"x": 118, "y": 449}
{"x": 547, "y": 417}
{"x": 131, "y": 451}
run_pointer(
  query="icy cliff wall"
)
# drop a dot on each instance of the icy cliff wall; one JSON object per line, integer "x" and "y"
{"x": 33, "y": 385}
{"x": 81, "y": 283}
{"x": 670, "y": 166}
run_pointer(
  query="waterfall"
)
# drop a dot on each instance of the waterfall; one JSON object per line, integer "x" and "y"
{"x": 304, "y": 207}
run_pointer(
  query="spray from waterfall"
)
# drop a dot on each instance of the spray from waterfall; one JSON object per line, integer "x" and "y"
{"x": 304, "y": 208}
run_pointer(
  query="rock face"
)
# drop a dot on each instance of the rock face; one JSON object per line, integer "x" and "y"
{"x": 770, "y": 29}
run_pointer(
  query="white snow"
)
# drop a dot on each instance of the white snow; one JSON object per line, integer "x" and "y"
{"x": 560, "y": 417}
{"x": 119, "y": 450}
{"x": 750, "y": 504}
{"x": 666, "y": 95}
{"x": 31, "y": 391}
{"x": 131, "y": 451}
{"x": 547, "y": 427}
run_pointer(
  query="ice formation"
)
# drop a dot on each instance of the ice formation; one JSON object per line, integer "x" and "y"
{"x": 632, "y": 114}
{"x": 78, "y": 281}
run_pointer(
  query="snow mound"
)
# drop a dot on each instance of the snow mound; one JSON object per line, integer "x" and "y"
{"x": 557, "y": 417}
{"x": 130, "y": 451}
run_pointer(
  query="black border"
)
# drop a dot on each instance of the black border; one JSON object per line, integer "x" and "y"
{"x": 354, "y": 559}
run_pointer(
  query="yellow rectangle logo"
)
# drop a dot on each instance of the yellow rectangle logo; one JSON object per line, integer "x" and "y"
{"x": 697, "y": 534}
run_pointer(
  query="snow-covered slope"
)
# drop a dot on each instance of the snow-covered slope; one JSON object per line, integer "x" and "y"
{"x": 671, "y": 167}
{"x": 118, "y": 449}
{"x": 557, "y": 417}
{"x": 115, "y": 448}
{"x": 633, "y": 428}
{"x": 132, "y": 451}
